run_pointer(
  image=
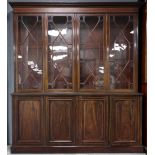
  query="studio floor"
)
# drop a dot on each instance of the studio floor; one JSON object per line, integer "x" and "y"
{"x": 9, "y": 153}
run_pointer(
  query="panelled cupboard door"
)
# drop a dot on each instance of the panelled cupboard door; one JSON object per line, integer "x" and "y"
{"x": 28, "y": 112}
{"x": 93, "y": 120}
{"x": 60, "y": 115}
{"x": 125, "y": 113}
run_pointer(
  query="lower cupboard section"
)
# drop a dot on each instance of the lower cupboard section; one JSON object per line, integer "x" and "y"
{"x": 100, "y": 123}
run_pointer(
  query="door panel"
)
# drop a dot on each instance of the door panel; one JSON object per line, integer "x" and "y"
{"x": 60, "y": 120}
{"x": 30, "y": 53}
{"x": 122, "y": 52}
{"x": 28, "y": 122}
{"x": 60, "y": 52}
{"x": 93, "y": 120}
{"x": 125, "y": 120}
{"x": 91, "y": 52}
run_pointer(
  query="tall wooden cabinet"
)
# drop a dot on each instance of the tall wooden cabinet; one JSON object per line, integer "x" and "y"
{"x": 76, "y": 78}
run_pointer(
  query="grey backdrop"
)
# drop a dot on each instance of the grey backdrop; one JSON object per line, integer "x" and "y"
{"x": 10, "y": 75}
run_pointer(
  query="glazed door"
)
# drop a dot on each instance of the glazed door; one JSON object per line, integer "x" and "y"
{"x": 122, "y": 52}
{"x": 91, "y": 52}
{"x": 60, "y": 52}
{"x": 93, "y": 120}
{"x": 125, "y": 121}
{"x": 81, "y": 52}
{"x": 107, "y": 52}
{"x": 29, "y": 52}
{"x": 60, "y": 120}
{"x": 28, "y": 120}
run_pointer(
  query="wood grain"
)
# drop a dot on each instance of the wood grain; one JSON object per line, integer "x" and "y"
{"x": 60, "y": 120}
{"x": 124, "y": 124}
{"x": 28, "y": 124}
{"x": 93, "y": 121}
{"x": 78, "y": 120}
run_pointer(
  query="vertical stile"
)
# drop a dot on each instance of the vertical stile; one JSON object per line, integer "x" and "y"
{"x": 46, "y": 52}
{"x": 106, "y": 49}
{"x": 135, "y": 59}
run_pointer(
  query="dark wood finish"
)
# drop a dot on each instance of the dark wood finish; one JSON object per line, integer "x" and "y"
{"x": 77, "y": 94}
{"x": 75, "y": 119}
{"x": 144, "y": 43}
{"x": 75, "y": 10}
{"x": 93, "y": 120}
{"x": 77, "y": 149}
{"x": 125, "y": 123}
{"x": 143, "y": 67}
{"x": 144, "y": 117}
{"x": 28, "y": 117}
{"x": 28, "y": 50}
{"x": 106, "y": 48}
{"x": 84, "y": 4}
{"x": 136, "y": 58}
{"x": 60, "y": 71}
{"x": 60, "y": 120}
{"x": 123, "y": 65}
{"x": 87, "y": 120}
{"x": 144, "y": 74}
{"x": 91, "y": 53}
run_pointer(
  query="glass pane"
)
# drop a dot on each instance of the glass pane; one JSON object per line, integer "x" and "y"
{"x": 30, "y": 48}
{"x": 60, "y": 52}
{"x": 121, "y": 52}
{"x": 91, "y": 52}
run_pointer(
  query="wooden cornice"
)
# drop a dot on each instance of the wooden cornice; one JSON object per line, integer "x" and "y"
{"x": 76, "y": 4}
